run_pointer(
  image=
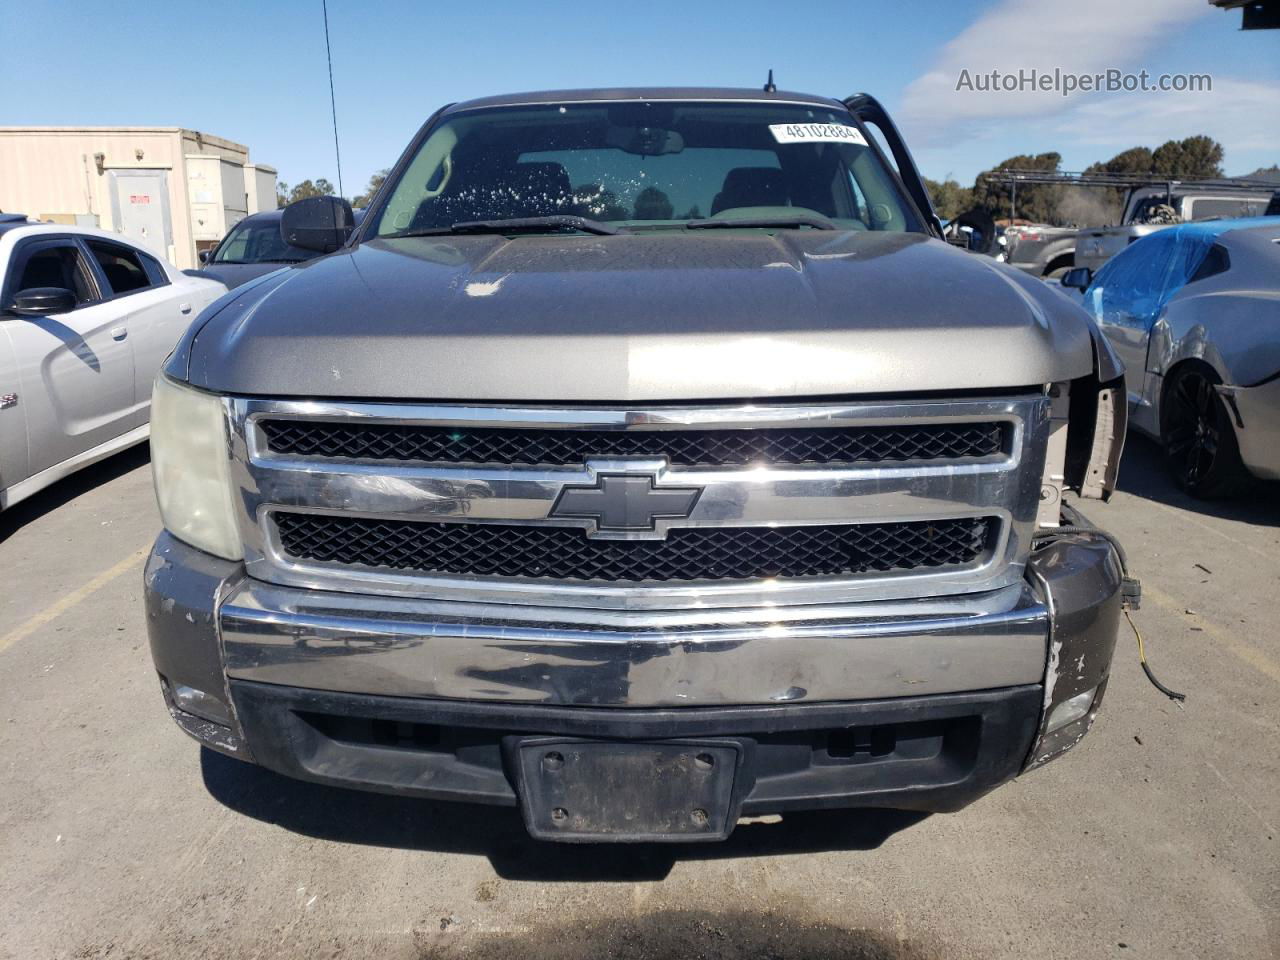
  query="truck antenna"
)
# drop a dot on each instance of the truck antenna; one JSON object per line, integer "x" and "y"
{"x": 768, "y": 84}
{"x": 333, "y": 103}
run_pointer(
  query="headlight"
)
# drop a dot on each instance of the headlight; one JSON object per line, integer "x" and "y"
{"x": 191, "y": 468}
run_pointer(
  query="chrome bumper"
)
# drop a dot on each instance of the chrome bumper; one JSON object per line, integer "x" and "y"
{"x": 210, "y": 624}
{"x": 456, "y": 651}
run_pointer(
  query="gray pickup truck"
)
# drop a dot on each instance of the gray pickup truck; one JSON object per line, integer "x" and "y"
{"x": 644, "y": 460}
{"x": 1040, "y": 249}
{"x": 1151, "y": 208}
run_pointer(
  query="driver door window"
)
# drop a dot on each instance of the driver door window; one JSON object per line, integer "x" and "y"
{"x": 54, "y": 264}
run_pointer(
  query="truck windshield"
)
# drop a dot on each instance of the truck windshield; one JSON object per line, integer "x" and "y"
{"x": 646, "y": 166}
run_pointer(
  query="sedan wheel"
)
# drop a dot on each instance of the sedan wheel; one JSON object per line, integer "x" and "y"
{"x": 1199, "y": 442}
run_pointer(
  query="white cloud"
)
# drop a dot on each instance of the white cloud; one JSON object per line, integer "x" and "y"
{"x": 1241, "y": 114}
{"x": 1085, "y": 37}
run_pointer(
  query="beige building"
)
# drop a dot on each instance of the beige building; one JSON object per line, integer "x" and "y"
{"x": 177, "y": 191}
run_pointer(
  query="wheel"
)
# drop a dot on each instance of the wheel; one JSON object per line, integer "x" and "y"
{"x": 1057, "y": 272}
{"x": 1199, "y": 442}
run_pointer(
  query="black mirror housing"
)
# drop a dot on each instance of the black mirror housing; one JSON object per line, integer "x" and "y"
{"x": 42, "y": 301}
{"x": 1078, "y": 278}
{"x": 317, "y": 223}
{"x": 204, "y": 255}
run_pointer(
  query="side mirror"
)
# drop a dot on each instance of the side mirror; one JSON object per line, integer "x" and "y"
{"x": 1078, "y": 278}
{"x": 205, "y": 255}
{"x": 317, "y": 223}
{"x": 42, "y": 301}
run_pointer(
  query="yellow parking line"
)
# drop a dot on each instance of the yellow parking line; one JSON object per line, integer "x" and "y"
{"x": 1245, "y": 651}
{"x": 55, "y": 610}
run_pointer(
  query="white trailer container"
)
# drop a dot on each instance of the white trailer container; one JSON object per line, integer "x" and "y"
{"x": 174, "y": 190}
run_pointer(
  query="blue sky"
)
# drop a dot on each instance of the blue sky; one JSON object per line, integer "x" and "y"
{"x": 254, "y": 72}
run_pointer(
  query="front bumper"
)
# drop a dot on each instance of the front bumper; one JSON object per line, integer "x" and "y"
{"x": 911, "y": 704}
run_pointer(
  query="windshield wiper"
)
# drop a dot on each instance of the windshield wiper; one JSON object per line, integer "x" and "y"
{"x": 519, "y": 225}
{"x": 797, "y": 221}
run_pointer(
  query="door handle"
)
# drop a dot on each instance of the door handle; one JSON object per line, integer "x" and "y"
{"x": 119, "y": 333}
{"x": 184, "y": 307}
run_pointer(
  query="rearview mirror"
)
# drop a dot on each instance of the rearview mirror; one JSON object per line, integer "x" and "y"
{"x": 645, "y": 141}
{"x": 42, "y": 301}
{"x": 204, "y": 255}
{"x": 1078, "y": 278}
{"x": 317, "y": 223}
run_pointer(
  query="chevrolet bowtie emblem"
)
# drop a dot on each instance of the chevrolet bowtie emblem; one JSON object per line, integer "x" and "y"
{"x": 625, "y": 502}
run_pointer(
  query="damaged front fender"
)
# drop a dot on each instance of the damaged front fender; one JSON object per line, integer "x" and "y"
{"x": 1099, "y": 419}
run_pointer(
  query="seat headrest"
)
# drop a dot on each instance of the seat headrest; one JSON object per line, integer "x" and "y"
{"x": 751, "y": 187}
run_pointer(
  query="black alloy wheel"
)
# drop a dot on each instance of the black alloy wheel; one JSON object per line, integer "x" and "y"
{"x": 1199, "y": 441}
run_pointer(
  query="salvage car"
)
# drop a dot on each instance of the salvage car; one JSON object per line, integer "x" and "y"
{"x": 646, "y": 459}
{"x": 86, "y": 320}
{"x": 252, "y": 248}
{"x": 1194, "y": 313}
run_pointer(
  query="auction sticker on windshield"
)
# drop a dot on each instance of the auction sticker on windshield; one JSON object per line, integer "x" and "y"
{"x": 816, "y": 133}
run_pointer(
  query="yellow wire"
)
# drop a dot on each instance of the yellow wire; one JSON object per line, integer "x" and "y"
{"x": 1142, "y": 653}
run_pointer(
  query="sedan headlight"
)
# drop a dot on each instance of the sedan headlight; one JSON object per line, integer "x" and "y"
{"x": 191, "y": 468}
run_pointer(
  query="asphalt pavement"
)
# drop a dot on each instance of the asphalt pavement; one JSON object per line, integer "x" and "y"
{"x": 1158, "y": 837}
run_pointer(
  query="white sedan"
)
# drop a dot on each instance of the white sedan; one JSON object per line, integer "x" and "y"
{"x": 86, "y": 319}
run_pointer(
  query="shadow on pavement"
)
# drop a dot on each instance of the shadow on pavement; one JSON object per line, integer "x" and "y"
{"x": 66, "y": 490}
{"x": 372, "y": 819}
{"x": 1143, "y": 474}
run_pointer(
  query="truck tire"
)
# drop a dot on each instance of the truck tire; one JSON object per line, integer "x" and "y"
{"x": 1200, "y": 447}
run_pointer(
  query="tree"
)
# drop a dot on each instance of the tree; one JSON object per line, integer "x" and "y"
{"x": 1193, "y": 158}
{"x": 306, "y": 188}
{"x": 653, "y": 204}
{"x": 1038, "y": 202}
{"x": 376, "y": 180}
{"x": 1133, "y": 160}
{"x": 949, "y": 198}
{"x": 1106, "y": 205}
{"x": 282, "y": 193}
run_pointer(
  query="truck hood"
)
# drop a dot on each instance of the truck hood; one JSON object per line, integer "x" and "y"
{"x": 663, "y": 316}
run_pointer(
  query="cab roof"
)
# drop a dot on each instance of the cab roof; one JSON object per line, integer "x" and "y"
{"x": 603, "y": 94}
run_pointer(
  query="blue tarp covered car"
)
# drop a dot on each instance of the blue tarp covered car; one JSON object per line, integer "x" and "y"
{"x": 1194, "y": 313}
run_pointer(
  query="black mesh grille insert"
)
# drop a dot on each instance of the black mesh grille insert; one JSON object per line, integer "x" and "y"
{"x": 719, "y": 448}
{"x": 560, "y": 553}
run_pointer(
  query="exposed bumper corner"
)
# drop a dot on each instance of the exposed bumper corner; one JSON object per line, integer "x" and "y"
{"x": 183, "y": 587}
{"x": 1080, "y": 578}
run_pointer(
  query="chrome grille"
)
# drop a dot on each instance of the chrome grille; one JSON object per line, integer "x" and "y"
{"x": 689, "y": 554}
{"x": 428, "y": 443}
{"x": 797, "y": 503}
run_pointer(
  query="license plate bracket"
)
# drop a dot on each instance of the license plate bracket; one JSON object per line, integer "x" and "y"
{"x": 579, "y": 790}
